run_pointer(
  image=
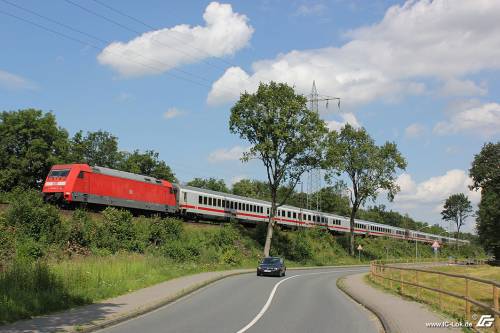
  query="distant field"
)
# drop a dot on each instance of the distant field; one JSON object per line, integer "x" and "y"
{"x": 444, "y": 303}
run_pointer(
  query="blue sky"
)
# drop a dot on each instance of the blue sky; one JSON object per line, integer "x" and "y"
{"x": 423, "y": 74}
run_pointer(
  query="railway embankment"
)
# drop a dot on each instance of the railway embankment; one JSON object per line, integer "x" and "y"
{"x": 52, "y": 260}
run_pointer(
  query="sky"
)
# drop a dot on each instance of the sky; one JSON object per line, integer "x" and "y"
{"x": 163, "y": 75}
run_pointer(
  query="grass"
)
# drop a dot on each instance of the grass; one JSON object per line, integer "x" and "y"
{"x": 444, "y": 303}
{"x": 30, "y": 289}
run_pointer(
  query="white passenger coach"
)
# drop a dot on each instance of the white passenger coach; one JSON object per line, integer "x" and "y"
{"x": 196, "y": 203}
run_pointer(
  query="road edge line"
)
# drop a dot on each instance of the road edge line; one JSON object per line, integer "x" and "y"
{"x": 382, "y": 322}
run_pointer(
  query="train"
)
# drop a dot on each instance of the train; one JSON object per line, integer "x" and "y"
{"x": 70, "y": 184}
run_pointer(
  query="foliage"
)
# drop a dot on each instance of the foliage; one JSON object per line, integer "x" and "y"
{"x": 284, "y": 134}
{"x": 209, "y": 184}
{"x": 147, "y": 163}
{"x": 30, "y": 143}
{"x": 484, "y": 170}
{"x": 95, "y": 148}
{"x": 457, "y": 208}
{"x": 369, "y": 167}
{"x": 32, "y": 218}
{"x": 488, "y": 222}
{"x": 486, "y": 176}
{"x": 252, "y": 189}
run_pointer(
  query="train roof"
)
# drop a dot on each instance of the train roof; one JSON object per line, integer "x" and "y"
{"x": 127, "y": 175}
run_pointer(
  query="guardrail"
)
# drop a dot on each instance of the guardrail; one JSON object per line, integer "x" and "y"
{"x": 384, "y": 273}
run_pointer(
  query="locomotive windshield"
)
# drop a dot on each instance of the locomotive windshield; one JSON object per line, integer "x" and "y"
{"x": 59, "y": 173}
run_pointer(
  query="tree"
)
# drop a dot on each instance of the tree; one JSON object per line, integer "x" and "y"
{"x": 96, "y": 148}
{"x": 252, "y": 189}
{"x": 210, "y": 184}
{"x": 369, "y": 167}
{"x": 485, "y": 173}
{"x": 147, "y": 163}
{"x": 30, "y": 143}
{"x": 457, "y": 208}
{"x": 285, "y": 135}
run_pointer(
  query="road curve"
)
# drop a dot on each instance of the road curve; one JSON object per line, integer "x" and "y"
{"x": 303, "y": 301}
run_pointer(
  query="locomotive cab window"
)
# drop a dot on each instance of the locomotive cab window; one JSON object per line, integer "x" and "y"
{"x": 81, "y": 175}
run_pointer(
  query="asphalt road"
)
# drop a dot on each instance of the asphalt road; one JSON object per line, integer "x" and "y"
{"x": 303, "y": 301}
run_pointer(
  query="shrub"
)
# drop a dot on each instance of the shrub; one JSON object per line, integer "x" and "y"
{"x": 300, "y": 248}
{"x": 231, "y": 257}
{"x": 182, "y": 250}
{"x": 115, "y": 231}
{"x": 163, "y": 230}
{"x": 33, "y": 218}
{"x": 224, "y": 236}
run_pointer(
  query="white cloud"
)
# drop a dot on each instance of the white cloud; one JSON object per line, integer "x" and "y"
{"x": 236, "y": 179}
{"x": 225, "y": 33}
{"x": 310, "y": 9}
{"x": 15, "y": 82}
{"x": 483, "y": 119}
{"x": 434, "y": 190}
{"x": 172, "y": 113}
{"x": 454, "y": 87}
{"x": 438, "y": 39}
{"x": 415, "y": 130}
{"x": 348, "y": 118}
{"x": 223, "y": 154}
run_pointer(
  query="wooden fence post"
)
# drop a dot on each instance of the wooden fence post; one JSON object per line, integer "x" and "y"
{"x": 390, "y": 281}
{"x": 467, "y": 304}
{"x": 416, "y": 282}
{"x": 439, "y": 288}
{"x": 496, "y": 307}
{"x": 401, "y": 280}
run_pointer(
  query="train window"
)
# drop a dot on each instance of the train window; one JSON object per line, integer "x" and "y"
{"x": 210, "y": 201}
{"x": 59, "y": 173}
{"x": 204, "y": 200}
{"x": 200, "y": 199}
{"x": 185, "y": 196}
{"x": 294, "y": 215}
{"x": 289, "y": 214}
{"x": 219, "y": 202}
{"x": 80, "y": 175}
{"x": 268, "y": 211}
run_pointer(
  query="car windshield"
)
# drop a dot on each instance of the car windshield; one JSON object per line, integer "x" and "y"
{"x": 270, "y": 261}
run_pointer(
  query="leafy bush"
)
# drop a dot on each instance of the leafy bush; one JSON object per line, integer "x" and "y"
{"x": 224, "y": 236}
{"x": 33, "y": 218}
{"x": 115, "y": 231}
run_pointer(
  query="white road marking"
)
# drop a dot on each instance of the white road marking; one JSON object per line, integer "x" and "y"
{"x": 271, "y": 296}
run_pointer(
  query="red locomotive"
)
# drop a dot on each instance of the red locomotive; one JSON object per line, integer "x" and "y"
{"x": 71, "y": 183}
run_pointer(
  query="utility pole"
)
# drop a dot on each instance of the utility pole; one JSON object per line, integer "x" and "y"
{"x": 314, "y": 176}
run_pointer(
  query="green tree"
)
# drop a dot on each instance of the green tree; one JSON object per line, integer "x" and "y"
{"x": 285, "y": 135}
{"x": 210, "y": 184}
{"x": 456, "y": 209}
{"x": 30, "y": 143}
{"x": 369, "y": 167}
{"x": 252, "y": 189}
{"x": 147, "y": 163}
{"x": 96, "y": 148}
{"x": 485, "y": 173}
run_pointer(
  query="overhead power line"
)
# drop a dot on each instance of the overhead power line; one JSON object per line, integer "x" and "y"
{"x": 85, "y": 43}
{"x": 123, "y": 26}
{"x": 101, "y": 40}
{"x": 135, "y": 19}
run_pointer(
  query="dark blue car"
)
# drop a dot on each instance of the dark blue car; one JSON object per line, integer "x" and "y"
{"x": 272, "y": 266}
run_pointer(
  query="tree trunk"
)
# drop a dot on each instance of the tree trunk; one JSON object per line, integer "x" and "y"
{"x": 351, "y": 230}
{"x": 270, "y": 227}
